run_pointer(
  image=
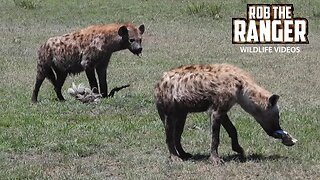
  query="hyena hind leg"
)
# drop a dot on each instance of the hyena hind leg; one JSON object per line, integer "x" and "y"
{"x": 42, "y": 73}
{"x": 161, "y": 113}
{"x": 39, "y": 80}
{"x": 180, "y": 122}
{"x": 61, "y": 77}
{"x": 51, "y": 76}
{"x": 170, "y": 128}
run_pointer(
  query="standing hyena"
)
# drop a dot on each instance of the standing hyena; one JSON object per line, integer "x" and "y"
{"x": 213, "y": 88}
{"x": 86, "y": 50}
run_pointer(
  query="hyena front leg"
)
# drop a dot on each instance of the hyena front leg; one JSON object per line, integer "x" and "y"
{"x": 91, "y": 76}
{"x": 232, "y": 132}
{"x": 88, "y": 60}
{"x": 216, "y": 119}
{"x": 102, "y": 75}
{"x": 101, "y": 69}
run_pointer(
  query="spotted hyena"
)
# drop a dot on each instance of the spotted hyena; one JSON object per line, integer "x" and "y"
{"x": 213, "y": 88}
{"x": 86, "y": 50}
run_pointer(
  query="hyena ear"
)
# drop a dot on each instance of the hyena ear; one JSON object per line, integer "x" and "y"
{"x": 273, "y": 99}
{"x": 123, "y": 31}
{"x": 141, "y": 29}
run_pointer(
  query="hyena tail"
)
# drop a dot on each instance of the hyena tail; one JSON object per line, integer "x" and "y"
{"x": 44, "y": 70}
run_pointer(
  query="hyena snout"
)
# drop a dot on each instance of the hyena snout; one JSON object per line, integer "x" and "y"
{"x": 136, "y": 49}
{"x": 271, "y": 126}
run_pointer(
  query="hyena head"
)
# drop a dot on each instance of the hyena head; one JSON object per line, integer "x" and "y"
{"x": 132, "y": 38}
{"x": 269, "y": 117}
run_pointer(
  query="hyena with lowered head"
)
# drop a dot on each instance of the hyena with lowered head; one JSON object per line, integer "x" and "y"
{"x": 86, "y": 50}
{"x": 214, "y": 88}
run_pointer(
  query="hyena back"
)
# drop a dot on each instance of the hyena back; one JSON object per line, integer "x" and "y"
{"x": 86, "y": 50}
{"x": 214, "y": 88}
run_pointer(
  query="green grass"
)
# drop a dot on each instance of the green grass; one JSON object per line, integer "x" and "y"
{"x": 26, "y": 4}
{"x": 204, "y": 9}
{"x": 123, "y": 137}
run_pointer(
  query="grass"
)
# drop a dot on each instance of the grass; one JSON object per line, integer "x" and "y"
{"x": 204, "y": 9}
{"x": 123, "y": 137}
{"x": 27, "y": 4}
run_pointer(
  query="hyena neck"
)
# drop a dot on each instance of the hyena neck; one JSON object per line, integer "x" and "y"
{"x": 253, "y": 98}
{"x": 117, "y": 45}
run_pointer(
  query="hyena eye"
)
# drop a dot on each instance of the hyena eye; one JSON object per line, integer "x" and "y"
{"x": 131, "y": 40}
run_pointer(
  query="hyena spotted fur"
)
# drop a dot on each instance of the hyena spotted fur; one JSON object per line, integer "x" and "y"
{"x": 86, "y": 50}
{"x": 213, "y": 88}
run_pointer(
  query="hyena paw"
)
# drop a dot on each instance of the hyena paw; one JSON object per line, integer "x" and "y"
{"x": 186, "y": 156}
{"x": 239, "y": 150}
{"x": 175, "y": 158}
{"x": 215, "y": 160}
